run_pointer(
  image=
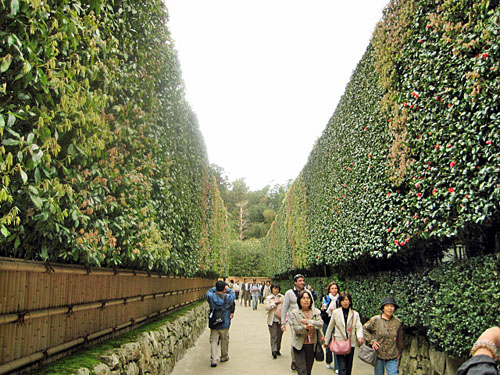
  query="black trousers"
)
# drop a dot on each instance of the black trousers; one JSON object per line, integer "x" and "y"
{"x": 345, "y": 363}
{"x": 304, "y": 358}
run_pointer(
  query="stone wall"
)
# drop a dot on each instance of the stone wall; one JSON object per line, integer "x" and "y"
{"x": 419, "y": 358}
{"x": 154, "y": 352}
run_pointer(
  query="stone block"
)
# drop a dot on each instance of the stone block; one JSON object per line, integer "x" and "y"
{"x": 132, "y": 351}
{"x": 423, "y": 347}
{"x": 102, "y": 369}
{"x": 83, "y": 371}
{"x": 412, "y": 366}
{"x": 132, "y": 369}
{"x": 452, "y": 365}
{"x": 111, "y": 359}
{"x": 414, "y": 347}
{"x": 438, "y": 361}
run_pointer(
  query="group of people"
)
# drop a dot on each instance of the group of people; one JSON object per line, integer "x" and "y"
{"x": 252, "y": 292}
{"x": 336, "y": 321}
{"x": 336, "y": 327}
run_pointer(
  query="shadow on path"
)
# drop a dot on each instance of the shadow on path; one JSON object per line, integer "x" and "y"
{"x": 249, "y": 351}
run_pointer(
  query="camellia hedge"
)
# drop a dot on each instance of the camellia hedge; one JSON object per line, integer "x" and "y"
{"x": 408, "y": 164}
{"x": 101, "y": 159}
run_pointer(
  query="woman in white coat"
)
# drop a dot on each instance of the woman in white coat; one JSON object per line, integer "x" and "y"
{"x": 345, "y": 325}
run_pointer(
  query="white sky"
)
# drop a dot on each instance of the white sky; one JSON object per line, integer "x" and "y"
{"x": 265, "y": 76}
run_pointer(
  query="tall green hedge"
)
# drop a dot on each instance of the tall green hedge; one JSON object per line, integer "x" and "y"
{"x": 101, "y": 159}
{"x": 408, "y": 164}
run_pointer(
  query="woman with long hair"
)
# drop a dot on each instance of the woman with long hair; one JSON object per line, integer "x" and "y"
{"x": 306, "y": 322}
{"x": 345, "y": 325}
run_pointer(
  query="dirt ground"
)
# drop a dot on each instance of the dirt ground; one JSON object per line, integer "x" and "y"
{"x": 250, "y": 351}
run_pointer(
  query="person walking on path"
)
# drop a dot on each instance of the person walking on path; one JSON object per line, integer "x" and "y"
{"x": 255, "y": 292}
{"x": 271, "y": 304}
{"x": 267, "y": 289}
{"x": 290, "y": 304}
{"x": 328, "y": 304}
{"x": 306, "y": 323}
{"x": 221, "y": 301}
{"x": 345, "y": 324}
{"x": 245, "y": 293}
{"x": 384, "y": 333}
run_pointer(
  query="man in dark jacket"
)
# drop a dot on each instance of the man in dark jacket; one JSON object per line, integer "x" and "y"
{"x": 221, "y": 299}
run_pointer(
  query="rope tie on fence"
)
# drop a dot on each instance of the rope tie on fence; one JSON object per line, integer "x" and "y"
{"x": 20, "y": 316}
{"x": 49, "y": 268}
{"x": 89, "y": 271}
{"x": 142, "y": 297}
{"x": 132, "y": 321}
{"x": 45, "y": 354}
{"x": 103, "y": 305}
{"x": 70, "y": 310}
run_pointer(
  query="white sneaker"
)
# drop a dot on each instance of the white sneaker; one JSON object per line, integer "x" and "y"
{"x": 328, "y": 365}
{"x": 336, "y": 371}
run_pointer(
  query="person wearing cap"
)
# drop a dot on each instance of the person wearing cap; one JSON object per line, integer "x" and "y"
{"x": 384, "y": 333}
{"x": 290, "y": 304}
{"x": 220, "y": 297}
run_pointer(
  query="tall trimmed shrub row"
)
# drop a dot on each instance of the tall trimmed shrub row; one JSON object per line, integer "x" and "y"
{"x": 408, "y": 164}
{"x": 101, "y": 159}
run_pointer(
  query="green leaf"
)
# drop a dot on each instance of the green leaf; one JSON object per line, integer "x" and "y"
{"x": 37, "y": 201}
{"x": 24, "y": 176}
{"x": 11, "y": 120}
{"x": 2, "y": 122}
{"x": 4, "y": 231}
{"x": 10, "y": 142}
{"x": 6, "y": 61}
{"x": 14, "y": 7}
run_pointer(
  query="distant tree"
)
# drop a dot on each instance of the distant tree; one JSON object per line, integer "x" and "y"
{"x": 246, "y": 258}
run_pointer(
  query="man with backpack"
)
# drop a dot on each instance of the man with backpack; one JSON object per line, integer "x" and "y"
{"x": 221, "y": 299}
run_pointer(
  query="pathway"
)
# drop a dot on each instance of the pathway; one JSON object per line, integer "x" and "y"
{"x": 249, "y": 351}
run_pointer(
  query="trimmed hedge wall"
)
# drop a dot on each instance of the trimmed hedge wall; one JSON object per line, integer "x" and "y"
{"x": 408, "y": 164}
{"x": 451, "y": 304}
{"x": 101, "y": 159}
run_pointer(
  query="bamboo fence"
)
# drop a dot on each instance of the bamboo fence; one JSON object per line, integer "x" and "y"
{"x": 47, "y": 308}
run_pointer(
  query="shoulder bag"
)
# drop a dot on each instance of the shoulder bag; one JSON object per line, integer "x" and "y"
{"x": 341, "y": 347}
{"x": 319, "y": 354}
{"x": 367, "y": 353}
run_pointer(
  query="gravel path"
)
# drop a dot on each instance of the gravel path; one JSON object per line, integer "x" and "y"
{"x": 249, "y": 351}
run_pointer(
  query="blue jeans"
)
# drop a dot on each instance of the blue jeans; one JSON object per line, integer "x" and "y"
{"x": 255, "y": 301}
{"x": 390, "y": 365}
{"x": 329, "y": 354}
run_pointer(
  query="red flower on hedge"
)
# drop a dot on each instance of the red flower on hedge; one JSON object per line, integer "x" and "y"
{"x": 452, "y": 164}
{"x": 436, "y": 147}
{"x": 396, "y": 242}
{"x": 484, "y": 55}
{"x": 434, "y": 191}
{"x": 488, "y": 142}
{"x": 369, "y": 155}
{"x": 451, "y": 190}
{"x": 419, "y": 195}
{"x": 388, "y": 194}
{"x": 417, "y": 185}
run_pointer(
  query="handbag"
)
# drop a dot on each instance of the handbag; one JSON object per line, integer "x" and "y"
{"x": 319, "y": 354}
{"x": 368, "y": 354}
{"x": 277, "y": 311}
{"x": 341, "y": 347}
